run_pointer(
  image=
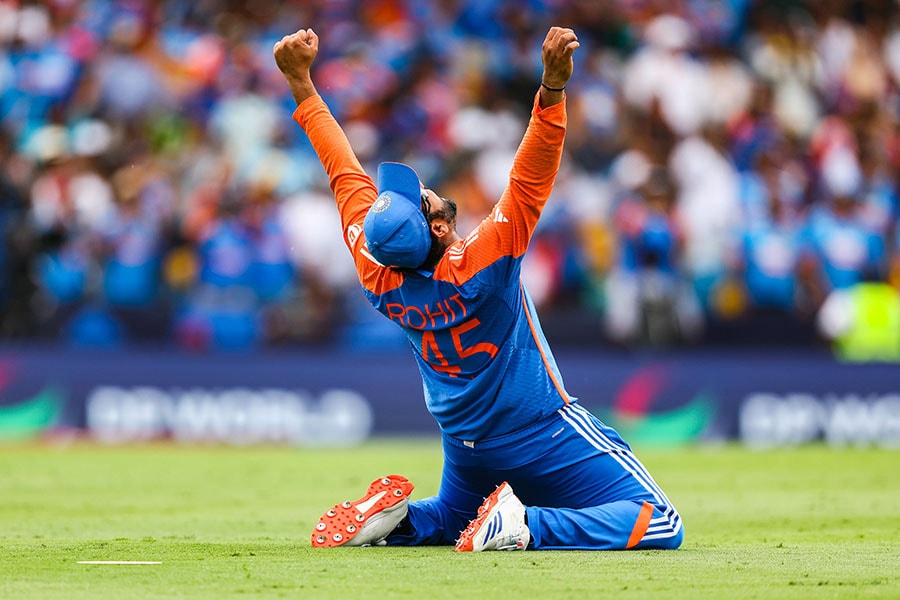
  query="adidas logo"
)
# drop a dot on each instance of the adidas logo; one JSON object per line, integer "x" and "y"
{"x": 494, "y": 527}
{"x": 499, "y": 217}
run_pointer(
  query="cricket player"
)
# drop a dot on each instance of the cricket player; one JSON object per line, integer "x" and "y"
{"x": 554, "y": 475}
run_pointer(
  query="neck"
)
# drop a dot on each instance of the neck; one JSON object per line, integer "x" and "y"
{"x": 438, "y": 248}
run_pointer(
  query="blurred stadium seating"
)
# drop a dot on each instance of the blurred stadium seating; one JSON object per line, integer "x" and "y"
{"x": 729, "y": 165}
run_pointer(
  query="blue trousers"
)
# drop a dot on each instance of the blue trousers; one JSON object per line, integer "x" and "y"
{"x": 582, "y": 486}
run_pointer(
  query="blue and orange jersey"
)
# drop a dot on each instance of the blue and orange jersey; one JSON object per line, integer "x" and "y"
{"x": 486, "y": 367}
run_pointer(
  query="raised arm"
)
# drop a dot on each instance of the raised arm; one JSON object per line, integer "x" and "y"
{"x": 538, "y": 157}
{"x": 507, "y": 231}
{"x": 353, "y": 189}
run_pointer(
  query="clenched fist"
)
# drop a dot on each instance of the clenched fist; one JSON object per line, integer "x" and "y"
{"x": 556, "y": 54}
{"x": 295, "y": 53}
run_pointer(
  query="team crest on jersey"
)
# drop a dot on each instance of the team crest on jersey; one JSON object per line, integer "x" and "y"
{"x": 382, "y": 204}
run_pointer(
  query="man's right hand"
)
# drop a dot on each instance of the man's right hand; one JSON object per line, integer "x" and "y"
{"x": 294, "y": 55}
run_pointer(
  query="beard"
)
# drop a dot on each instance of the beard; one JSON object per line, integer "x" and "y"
{"x": 434, "y": 255}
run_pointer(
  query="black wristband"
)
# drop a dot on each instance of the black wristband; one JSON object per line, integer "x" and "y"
{"x": 545, "y": 86}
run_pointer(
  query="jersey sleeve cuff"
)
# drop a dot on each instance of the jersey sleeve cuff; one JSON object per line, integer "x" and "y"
{"x": 304, "y": 108}
{"x": 554, "y": 113}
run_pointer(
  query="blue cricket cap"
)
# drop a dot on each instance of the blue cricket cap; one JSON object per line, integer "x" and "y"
{"x": 397, "y": 233}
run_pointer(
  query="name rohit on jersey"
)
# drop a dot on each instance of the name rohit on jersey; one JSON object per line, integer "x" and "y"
{"x": 443, "y": 313}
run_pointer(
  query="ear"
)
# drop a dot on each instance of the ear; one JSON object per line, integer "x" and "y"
{"x": 439, "y": 228}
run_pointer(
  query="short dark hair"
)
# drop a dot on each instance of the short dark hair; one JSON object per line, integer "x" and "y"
{"x": 446, "y": 212}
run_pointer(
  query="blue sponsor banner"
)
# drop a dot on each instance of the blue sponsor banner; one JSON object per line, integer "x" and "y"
{"x": 319, "y": 397}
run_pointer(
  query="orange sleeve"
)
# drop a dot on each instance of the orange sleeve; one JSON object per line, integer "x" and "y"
{"x": 508, "y": 229}
{"x": 354, "y": 191}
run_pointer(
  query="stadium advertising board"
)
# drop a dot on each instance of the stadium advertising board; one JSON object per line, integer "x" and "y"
{"x": 231, "y": 415}
{"x": 330, "y": 398}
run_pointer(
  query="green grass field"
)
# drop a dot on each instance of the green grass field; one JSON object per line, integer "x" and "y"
{"x": 224, "y": 522}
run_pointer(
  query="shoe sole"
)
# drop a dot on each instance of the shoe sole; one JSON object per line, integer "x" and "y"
{"x": 465, "y": 543}
{"x": 343, "y": 521}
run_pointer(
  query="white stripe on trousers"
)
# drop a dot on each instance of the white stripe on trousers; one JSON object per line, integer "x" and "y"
{"x": 585, "y": 424}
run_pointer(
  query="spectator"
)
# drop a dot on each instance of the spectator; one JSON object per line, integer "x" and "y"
{"x": 841, "y": 247}
{"x": 863, "y": 321}
{"x": 772, "y": 238}
{"x": 648, "y": 301}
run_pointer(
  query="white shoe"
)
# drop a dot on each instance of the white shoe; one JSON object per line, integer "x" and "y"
{"x": 500, "y": 524}
{"x": 367, "y": 521}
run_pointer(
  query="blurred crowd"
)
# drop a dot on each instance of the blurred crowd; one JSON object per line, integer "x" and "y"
{"x": 727, "y": 161}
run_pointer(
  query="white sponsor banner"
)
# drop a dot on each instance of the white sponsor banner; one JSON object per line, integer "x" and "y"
{"x": 839, "y": 420}
{"x": 239, "y": 416}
